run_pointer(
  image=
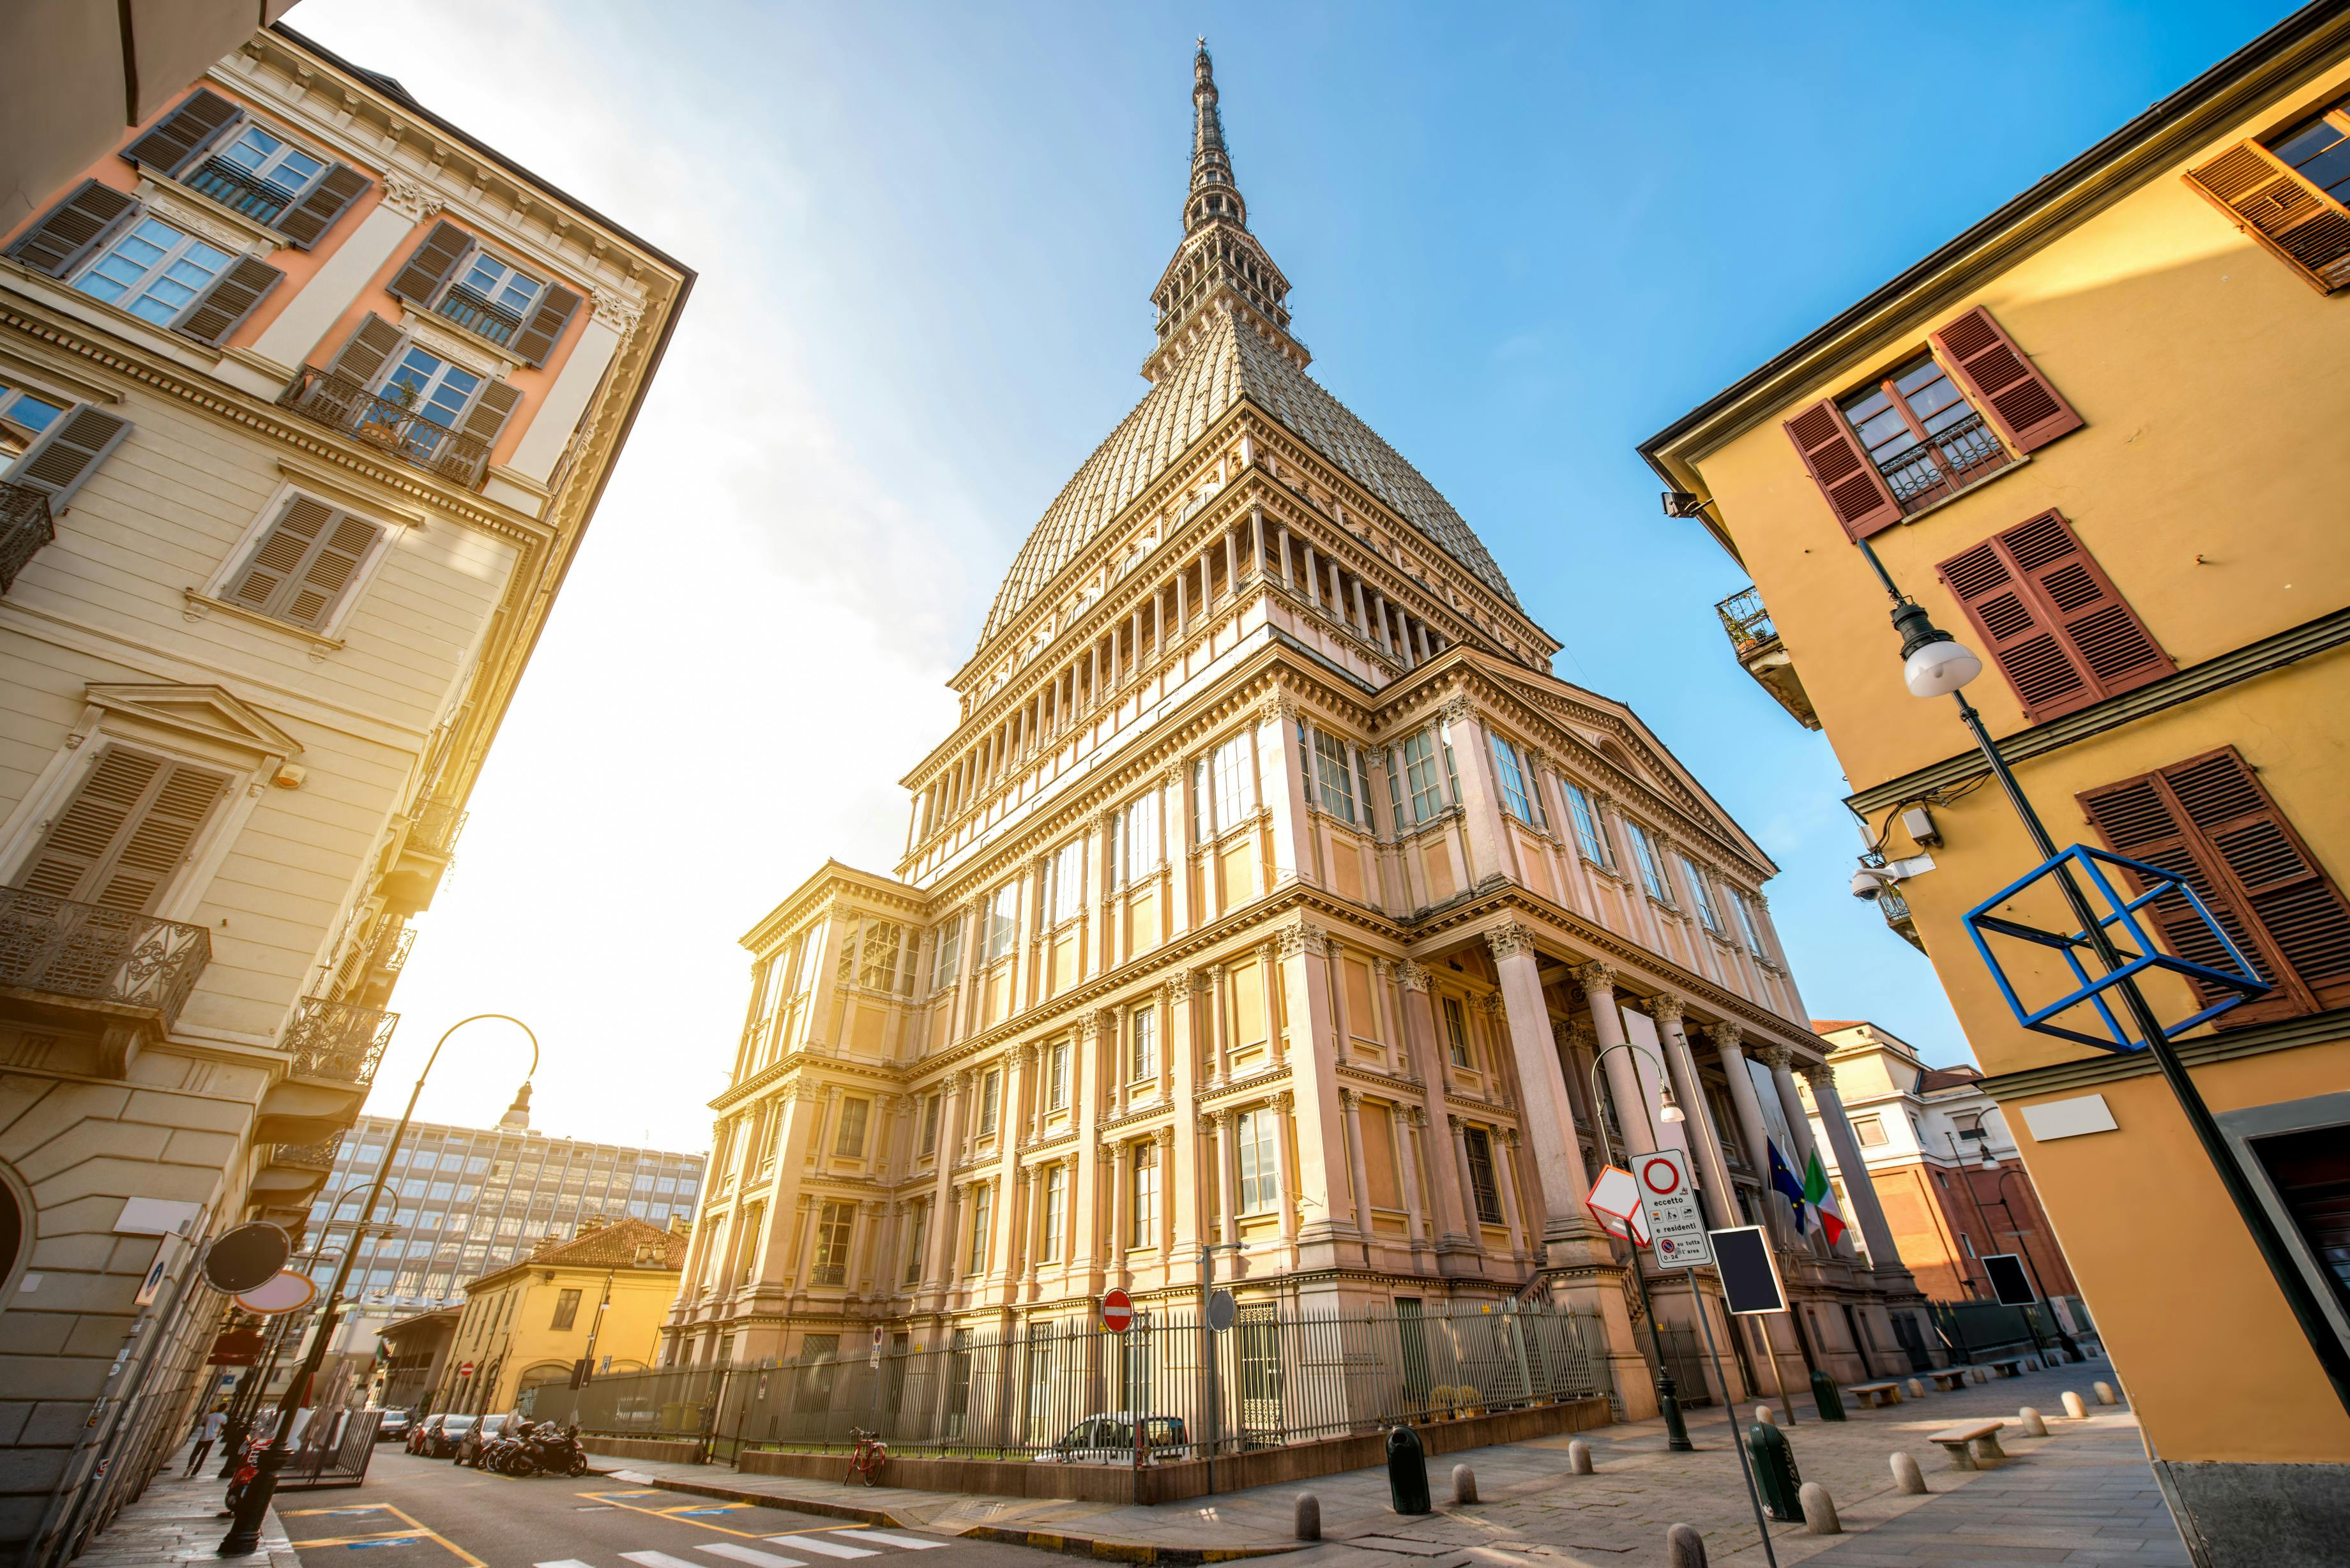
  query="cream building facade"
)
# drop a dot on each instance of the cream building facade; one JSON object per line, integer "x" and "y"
{"x": 1270, "y": 894}
{"x": 306, "y": 400}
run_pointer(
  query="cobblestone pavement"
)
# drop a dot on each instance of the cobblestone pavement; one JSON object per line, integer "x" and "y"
{"x": 2083, "y": 1494}
{"x": 176, "y": 1521}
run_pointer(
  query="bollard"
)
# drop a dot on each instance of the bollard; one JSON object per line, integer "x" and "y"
{"x": 1906, "y": 1476}
{"x": 1684, "y": 1548}
{"x": 1767, "y": 1416}
{"x": 1464, "y": 1484}
{"x": 2105, "y": 1393}
{"x": 1578, "y": 1458}
{"x": 2074, "y": 1407}
{"x": 1916, "y": 1388}
{"x": 2029, "y": 1419}
{"x": 1775, "y": 1475}
{"x": 1408, "y": 1472}
{"x": 1827, "y": 1397}
{"x": 1819, "y": 1511}
{"x": 1309, "y": 1517}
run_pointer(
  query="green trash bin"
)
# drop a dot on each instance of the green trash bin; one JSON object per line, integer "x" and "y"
{"x": 1775, "y": 1475}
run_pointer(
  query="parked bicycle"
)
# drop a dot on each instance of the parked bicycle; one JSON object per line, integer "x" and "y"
{"x": 865, "y": 1461}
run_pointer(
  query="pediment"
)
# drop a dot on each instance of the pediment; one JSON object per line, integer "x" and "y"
{"x": 212, "y": 711}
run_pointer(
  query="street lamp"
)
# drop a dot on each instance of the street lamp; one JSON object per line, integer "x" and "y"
{"x": 1935, "y": 664}
{"x": 1669, "y": 1404}
{"x": 244, "y": 1530}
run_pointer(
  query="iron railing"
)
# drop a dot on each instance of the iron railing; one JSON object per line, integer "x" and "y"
{"x": 392, "y": 957}
{"x": 479, "y": 314}
{"x": 438, "y": 823}
{"x": 1746, "y": 622}
{"x": 24, "y": 527}
{"x": 329, "y": 1039}
{"x": 92, "y": 954}
{"x": 1035, "y": 1389}
{"x": 320, "y": 1155}
{"x": 1956, "y": 455}
{"x": 236, "y": 187}
{"x": 343, "y": 404}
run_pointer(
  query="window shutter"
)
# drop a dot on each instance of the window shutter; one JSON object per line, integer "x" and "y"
{"x": 1856, "y": 492}
{"x": 183, "y": 133}
{"x": 2294, "y": 220}
{"x": 488, "y": 416}
{"x": 368, "y": 349}
{"x": 302, "y": 566}
{"x": 124, "y": 833}
{"x": 2027, "y": 409}
{"x": 2208, "y": 820}
{"x": 67, "y": 452}
{"x": 536, "y": 340}
{"x": 2061, "y": 634}
{"x": 213, "y": 314}
{"x": 329, "y": 198}
{"x": 73, "y": 228}
{"x": 432, "y": 265}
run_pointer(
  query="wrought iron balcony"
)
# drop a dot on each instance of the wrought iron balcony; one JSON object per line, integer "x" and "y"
{"x": 24, "y": 527}
{"x": 1755, "y": 641}
{"x": 320, "y": 1155}
{"x": 340, "y": 403}
{"x": 1896, "y": 910}
{"x": 70, "y": 953}
{"x": 438, "y": 823}
{"x": 479, "y": 314}
{"x": 239, "y": 189}
{"x": 336, "y": 1040}
{"x": 1947, "y": 460}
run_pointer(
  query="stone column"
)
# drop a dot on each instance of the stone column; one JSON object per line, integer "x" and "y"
{"x": 1474, "y": 1220}
{"x": 1408, "y": 1120}
{"x": 1227, "y": 1176}
{"x": 1698, "y": 1131}
{"x": 1505, "y": 1172}
{"x": 1859, "y": 1192}
{"x": 1357, "y": 1172}
{"x": 1453, "y": 1229}
{"x": 1269, "y": 990}
{"x": 1385, "y": 994}
{"x": 1170, "y": 1241}
{"x": 1636, "y": 1110}
{"x": 1568, "y": 1236}
{"x": 938, "y": 1270}
{"x": 1120, "y": 1049}
{"x": 1121, "y": 1205}
{"x": 1220, "y": 1024}
{"x": 1781, "y": 1059}
{"x": 1342, "y": 1022}
{"x": 1724, "y": 1038}
{"x": 1480, "y": 811}
{"x": 1305, "y": 973}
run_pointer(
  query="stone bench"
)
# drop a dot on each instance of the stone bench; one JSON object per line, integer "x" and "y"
{"x": 2008, "y": 1365}
{"x": 1948, "y": 1380}
{"x": 1876, "y": 1395}
{"x": 1973, "y": 1446}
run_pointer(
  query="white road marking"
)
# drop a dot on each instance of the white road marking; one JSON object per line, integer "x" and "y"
{"x": 756, "y": 1559}
{"x": 562, "y": 1563}
{"x": 911, "y": 1542}
{"x": 821, "y": 1547}
{"x": 657, "y": 1560}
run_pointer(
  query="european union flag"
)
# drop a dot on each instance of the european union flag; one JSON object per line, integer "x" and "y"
{"x": 1783, "y": 1181}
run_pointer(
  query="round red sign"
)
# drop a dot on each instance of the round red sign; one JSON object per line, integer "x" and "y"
{"x": 466, "y": 1370}
{"x": 1117, "y": 1312}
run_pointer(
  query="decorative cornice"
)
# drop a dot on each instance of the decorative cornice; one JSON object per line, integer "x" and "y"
{"x": 411, "y": 198}
{"x": 1457, "y": 708}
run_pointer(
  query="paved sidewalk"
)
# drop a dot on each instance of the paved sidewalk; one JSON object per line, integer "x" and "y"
{"x": 2081, "y": 1494}
{"x": 175, "y": 1521}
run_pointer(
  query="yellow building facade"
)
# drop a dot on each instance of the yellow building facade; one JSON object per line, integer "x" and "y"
{"x": 599, "y": 1297}
{"x": 2098, "y": 436}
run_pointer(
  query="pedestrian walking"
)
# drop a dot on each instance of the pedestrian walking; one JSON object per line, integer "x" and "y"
{"x": 207, "y": 1432}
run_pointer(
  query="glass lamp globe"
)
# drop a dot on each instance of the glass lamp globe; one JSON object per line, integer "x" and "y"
{"x": 1939, "y": 667}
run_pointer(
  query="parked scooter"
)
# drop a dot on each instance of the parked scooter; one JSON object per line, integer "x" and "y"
{"x": 247, "y": 1468}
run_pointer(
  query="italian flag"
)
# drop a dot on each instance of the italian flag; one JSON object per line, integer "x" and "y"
{"x": 1821, "y": 1197}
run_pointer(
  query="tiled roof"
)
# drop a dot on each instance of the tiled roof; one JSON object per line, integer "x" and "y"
{"x": 1225, "y": 366}
{"x": 615, "y": 1246}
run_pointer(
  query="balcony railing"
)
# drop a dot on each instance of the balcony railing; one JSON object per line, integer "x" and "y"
{"x": 320, "y": 1155}
{"x": 1897, "y": 919}
{"x": 1947, "y": 460}
{"x": 438, "y": 823}
{"x": 239, "y": 189}
{"x": 90, "y": 953}
{"x": 1755, "y": 638}
{"x": 478, "y": 314}
{"x": 343, "y": 404}
{"x": 336, "y": 1040}
{"x": 1746, "y": 622}
{"x": 24, "y": 527}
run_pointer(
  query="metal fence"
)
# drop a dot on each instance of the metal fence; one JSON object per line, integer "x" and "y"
{"x": 1070, "y": 1389}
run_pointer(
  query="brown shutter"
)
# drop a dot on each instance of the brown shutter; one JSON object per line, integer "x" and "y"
{"x": 183, "y": 133}
{"x": 2294, "y": 220}
{"x": 2209, "y": 821}
{"x": 327, "y": 199}
{"x": 363, "y": 357}
{"x": 2027, "y": 409}
{"x": 334, "y": 561}
{"x": 487, "y": 417}
{"x": 125, "y": 833}
{"x": 72, "y": 229}
{"x": 67, "y": 452}
{"x": 553, "y": 313}
{"x": 2061, "y": 634}
{"x": 432, "y": 265}
{"x": 1856, "y": 492}
{"x": 213, "y": 314}
{"x": 303, "y": 564}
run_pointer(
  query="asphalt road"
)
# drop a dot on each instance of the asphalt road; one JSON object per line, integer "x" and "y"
{"x": 429, "y": 1513}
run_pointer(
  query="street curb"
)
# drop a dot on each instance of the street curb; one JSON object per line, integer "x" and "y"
{"x": 789, "y": 1504}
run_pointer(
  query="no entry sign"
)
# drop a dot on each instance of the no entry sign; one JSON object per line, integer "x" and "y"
{"x": 1670, "y": 1200}
{"x": 466, "y": 1370}
{"x": 1117, "y": 1312}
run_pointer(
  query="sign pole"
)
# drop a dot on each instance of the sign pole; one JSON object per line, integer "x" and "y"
{"x": 1745, "y": 1465}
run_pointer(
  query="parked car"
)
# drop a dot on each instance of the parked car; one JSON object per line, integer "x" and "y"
{"x": 422, "y": 1433}
{"x": 394, "y": 1424}
{"x": 445, "y": 1433}
{"x": 1109, "y": 1439}
{"x": 468, "y": 1448}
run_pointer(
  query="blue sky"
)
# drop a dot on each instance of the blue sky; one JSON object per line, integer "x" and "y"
{"x": 1521, "y": 239}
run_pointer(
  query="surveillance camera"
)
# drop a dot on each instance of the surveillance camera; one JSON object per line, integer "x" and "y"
{"x": 1867, "y": 881}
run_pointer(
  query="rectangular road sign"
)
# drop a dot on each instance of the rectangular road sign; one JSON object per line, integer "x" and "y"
{"x": 1668, "y": 1198}
{"x": 2009, "y": 1281}
{"x": 1750, "y": 1279}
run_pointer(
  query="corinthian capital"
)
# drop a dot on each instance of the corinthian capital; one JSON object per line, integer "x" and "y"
{"x": 1726, "y": 1035}
{"x": 1510, "y": 940}
{"x": 1278, "y": 707}
{"x": 1457, "y": 710}
{"x": 1305, "y": 938}
{"x": 1820, "y": 1076}
{"x": 402, "y": 194}
{"x": 1595, "y": 977}
{"x": 618, "y": 311}
{"x": 1778, "y": 1058}
{"x": 1667, "y": 1009}
{"x": 1414, "y": 977}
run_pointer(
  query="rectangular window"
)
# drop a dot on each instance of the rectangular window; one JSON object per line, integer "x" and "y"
{"x": 1141, "y": 839}
{"x": 1056, "y": 1183}
{"x": 493, "y": 297}
{"x": 1456, "y": 1033}
{"x": 1333, "y": 778}
{"x": 1363, "y": 789}
{"x": 832, "y": 1229}
{"x": 24, "y": 415}
{"x": 2051, "y": 618}
{"x": 566, "y": 1309}
{"x": 1870, "y": 1130}
{"x": 1513, "y": 781}
{"x": 257, "y": 173}
{"x": 877, "y": 965}
{"x": 931, "y": 1124}
{"x": 1652, "y": 870}
{"x": 1068, "y": 880}
{"x": 850, "y": 1143}
{"x": 1395, "y": 788}
{"x": 1003, "y": 920}
{"x": 1708, "y": 913}
{"x": 424, "y": 384}
{"x": 1922, "y": 434}
{"x": 153, "y": 271}
{"x": 917, "y": 1233}
{"x": 1199, "y": 804}
{"x": 304, "y": 564}
{"x": 1750, "y": 922}
{"x": 1260, "y": 1173}
{"x": 1427, "y": 797}
{"x": 1057, "y": 1076}
{"x": 1480, "y": 1145}
{"x": 1144, "y": 1208}
{"x": 1142, "y": 1059}
{"x": 1588, "y": 837}
{"x": 990, "y": 1099}
{"x": 1233, "y": 768}
{"x": 982, "y": 1199}
{"x": 946, "y": 958}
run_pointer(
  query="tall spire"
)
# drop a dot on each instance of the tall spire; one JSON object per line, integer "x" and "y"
{"x": 1220, "y": 264}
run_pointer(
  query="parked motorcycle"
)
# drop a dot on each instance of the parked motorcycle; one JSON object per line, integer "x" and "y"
{"x": 248, "y": 1467}
{"x": 528, "y": 1449}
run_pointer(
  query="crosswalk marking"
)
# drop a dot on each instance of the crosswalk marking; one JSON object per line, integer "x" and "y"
{"x": 657, "y": 1560}
{"x": 562, "y": 1563}
{"x": 821, "y": 1547}
{"x": 756, "y": 1559}
{"x": 885, "y": 1538}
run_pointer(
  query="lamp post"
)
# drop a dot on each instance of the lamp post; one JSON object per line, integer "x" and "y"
{"x": 1669, "y": 1404}
{"x": 2064, "y": 1340}
{"x": 244, "y": 1530}
{"x": 1935, "y": 664}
